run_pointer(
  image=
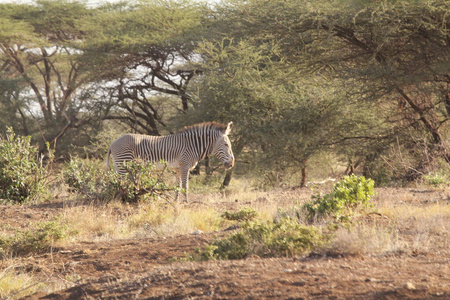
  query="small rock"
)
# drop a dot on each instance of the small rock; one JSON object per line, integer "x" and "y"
{"x": 346, "y": 267}
{"x": 232, "y": 227}
{"x": 409, "y": 286}
{"x": 299, "y": 283}
{"x": 287, "y": 270}
{"x": 197, "y": 232}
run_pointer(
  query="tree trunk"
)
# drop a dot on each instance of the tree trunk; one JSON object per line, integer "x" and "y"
{"x": 350, "y": 168}
{"x": 368, "y": 165}
{"x": 432, "y": 129}
{"x": 184, "y": 102}
{"x": 439, "y": 148}
{"x": 304, "y": 175}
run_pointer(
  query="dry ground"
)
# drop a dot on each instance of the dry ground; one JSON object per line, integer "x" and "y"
{"x": 148, "y": 268}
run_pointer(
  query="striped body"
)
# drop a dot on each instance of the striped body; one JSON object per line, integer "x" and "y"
{"x": 181, "y": 151}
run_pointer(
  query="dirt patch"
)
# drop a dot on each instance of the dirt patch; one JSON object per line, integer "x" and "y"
{"x": 150, "y": 268}
{"x": 142, "y": 269}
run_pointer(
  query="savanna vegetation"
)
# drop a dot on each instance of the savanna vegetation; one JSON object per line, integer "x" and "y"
{"x": 351, "y": 91}
{"x": 365, "y": 83}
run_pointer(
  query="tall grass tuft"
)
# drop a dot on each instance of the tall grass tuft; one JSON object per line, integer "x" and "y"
{"x": 16, "y": 286}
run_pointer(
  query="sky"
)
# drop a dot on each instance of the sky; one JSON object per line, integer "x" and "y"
{"x": 90, "y": 2}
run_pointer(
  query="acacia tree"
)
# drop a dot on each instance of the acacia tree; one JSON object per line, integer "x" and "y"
{"x": 39, "y": 68}
{"x": 281, "y": 121}
{"x": 65, "y": 66}
{"x": 143, "y": 50}
{"x": 392, "y": 52}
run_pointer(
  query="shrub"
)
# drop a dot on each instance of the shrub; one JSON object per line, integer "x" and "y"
{"x": 265, "y": 239}
{"x": 22, "y": 172}
{"x": 436, "y": 179}
{"x": 38, "y": 239}
{"x": 90, "y": 180}
{"x": 143, "y": 181}
{"x": 348, "y": 195}
{"x": 245, "y": 214}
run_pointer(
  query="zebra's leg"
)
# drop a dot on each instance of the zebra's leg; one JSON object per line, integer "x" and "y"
{"x": 184, "y": 172}
{"x": 177, "y": 195}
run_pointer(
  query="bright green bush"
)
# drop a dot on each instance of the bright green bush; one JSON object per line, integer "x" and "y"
{"x": 23, "y": 175}
{"x": 285, "y": 238}
{"x": 348, "y": 196}
{"x": 89, "y": 179}
{"x": 436, "y": 179}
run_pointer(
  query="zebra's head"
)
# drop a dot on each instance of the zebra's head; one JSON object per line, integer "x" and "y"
{"x": 222, "y": 148}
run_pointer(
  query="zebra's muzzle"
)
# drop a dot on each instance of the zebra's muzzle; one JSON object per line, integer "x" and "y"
{"x": 229, "y": 164}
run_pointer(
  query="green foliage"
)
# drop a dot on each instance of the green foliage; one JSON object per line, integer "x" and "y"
{"x": 90, "y": 180}
{"x": 245, "y": 214}
{"x": 142, "y": 182}
{"x": 365, "y": 57}
{"x": 47, "y": 99}
{"x": 349, "y": 195}
{"x": 22, "y": 171}
{"x": 249, "y": 81}
{"x": 132, "y": 27}
{"x": 363, "y": 75}
{"x": 38, "y": 239}
{"x": 285, "y": 238}
{"x": 436, "y": 179}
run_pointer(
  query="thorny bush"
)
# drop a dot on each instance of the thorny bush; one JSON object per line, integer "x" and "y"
{"x": 143, "y": 181}
{"x": 23, "y": 173}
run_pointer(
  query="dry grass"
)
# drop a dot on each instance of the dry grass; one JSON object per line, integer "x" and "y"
{"x": 365, "y": 239}
{"x": 15, "y": 284}
{"x": 167, "y": 221}
{"x": 411, "y": 220}
{"x": 118, "y": 221}
{"x": 94, "y": 223}
{"x": 424, "y": 227}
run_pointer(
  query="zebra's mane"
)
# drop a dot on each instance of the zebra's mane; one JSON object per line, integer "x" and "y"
{"x": 205, "y": 125}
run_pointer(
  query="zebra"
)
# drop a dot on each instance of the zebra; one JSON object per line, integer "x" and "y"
{"x": 181, "y": 151}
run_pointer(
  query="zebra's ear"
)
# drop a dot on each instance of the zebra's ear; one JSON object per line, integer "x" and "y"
{"x": 230, "y": 125}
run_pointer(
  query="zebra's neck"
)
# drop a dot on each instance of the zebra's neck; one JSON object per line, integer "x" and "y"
{"x": 200, "y": 143}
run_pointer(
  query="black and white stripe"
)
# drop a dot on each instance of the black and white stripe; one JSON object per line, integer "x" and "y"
{"x": 182, "y": 150}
